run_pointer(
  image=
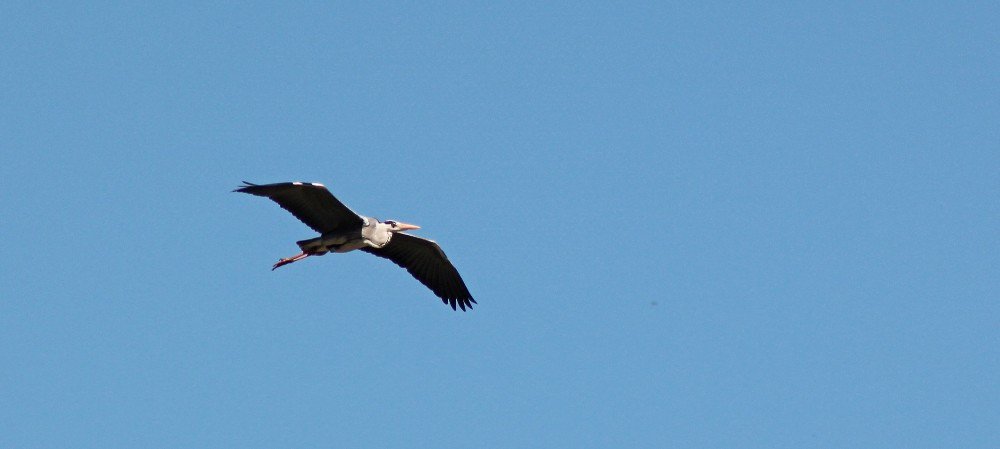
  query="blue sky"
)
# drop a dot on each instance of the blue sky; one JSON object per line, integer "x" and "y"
{"x": 704, "y": 225}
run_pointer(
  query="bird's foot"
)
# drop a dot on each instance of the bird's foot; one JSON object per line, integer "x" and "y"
{"x": 289, "y": 260}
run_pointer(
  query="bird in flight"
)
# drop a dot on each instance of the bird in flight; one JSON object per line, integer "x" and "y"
{"x": 341, "y": 230}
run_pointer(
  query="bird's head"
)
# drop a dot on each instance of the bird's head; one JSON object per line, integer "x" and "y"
{"x": 398, "y": 226}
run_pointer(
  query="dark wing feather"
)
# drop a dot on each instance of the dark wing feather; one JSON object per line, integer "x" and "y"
{"x": 311, "y": 203}
{"x": 425, "y": 260}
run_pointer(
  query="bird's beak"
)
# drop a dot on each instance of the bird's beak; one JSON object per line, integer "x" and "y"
{"x": 406, "y": 226}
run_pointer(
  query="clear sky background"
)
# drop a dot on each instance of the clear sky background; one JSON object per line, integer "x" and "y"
{"x": 703, "y": 225}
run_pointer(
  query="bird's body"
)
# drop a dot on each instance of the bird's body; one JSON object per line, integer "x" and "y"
{"x": 342, "y": 230}
{"x": 373, "y": 233}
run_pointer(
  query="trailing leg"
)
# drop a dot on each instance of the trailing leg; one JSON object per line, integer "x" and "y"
{"x": 289, "y": 260}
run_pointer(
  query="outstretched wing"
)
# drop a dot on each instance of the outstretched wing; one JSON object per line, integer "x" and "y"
{"x": 311, "y": 203}
{"x": 425, "y": 260}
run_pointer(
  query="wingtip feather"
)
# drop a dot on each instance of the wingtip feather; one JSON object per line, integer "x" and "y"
{"x": 244, "y": 186}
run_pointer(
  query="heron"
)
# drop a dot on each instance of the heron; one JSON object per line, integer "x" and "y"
{"x": 342, "y": 230}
